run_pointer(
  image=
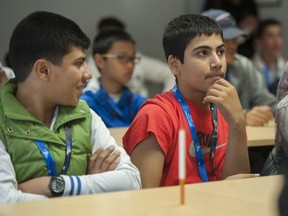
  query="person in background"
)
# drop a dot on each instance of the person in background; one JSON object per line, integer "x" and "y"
{"x": 258, "y": 103}
{"x": 246, "y": 16}
{"x": 268, "y": 59}
{"x": 148, "y": 70}
{"x": 51, "y": 143}
{"x": 202, "y": 103}
{"x": 115, "y": 57}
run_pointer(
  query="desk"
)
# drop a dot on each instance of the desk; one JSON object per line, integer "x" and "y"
{"x": 254, "y": 196}
{"x": 257, "y": 136}
{"x": 261, "y": 136}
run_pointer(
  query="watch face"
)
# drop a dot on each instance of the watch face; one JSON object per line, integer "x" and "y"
{"x": 57, "y": 185}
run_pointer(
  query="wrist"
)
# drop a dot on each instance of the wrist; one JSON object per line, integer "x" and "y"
{"x": 56, "y": 186}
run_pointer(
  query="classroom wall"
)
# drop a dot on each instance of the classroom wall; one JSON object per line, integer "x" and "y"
{"x": 145, "y": 19}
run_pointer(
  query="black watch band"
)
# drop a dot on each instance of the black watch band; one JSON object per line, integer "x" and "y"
{"x": 56, "y": 186}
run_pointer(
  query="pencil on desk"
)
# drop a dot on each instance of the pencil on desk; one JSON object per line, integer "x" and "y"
{"x": 182, "y": 163}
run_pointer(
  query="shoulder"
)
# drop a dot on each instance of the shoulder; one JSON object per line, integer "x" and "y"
{"x": 245, "y": 65}
{"x": 165, "y": 101}
{"x": 242, "y": 60}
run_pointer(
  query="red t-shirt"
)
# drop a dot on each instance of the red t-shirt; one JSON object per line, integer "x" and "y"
{"x": 163, "y": 116}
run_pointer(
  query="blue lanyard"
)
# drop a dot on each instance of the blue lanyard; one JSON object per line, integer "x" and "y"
{"x": 197, "y": 146}
{"x": 227, "y": 76}
{"x": 48, "y": 157}
{"x": 267, "y": 75}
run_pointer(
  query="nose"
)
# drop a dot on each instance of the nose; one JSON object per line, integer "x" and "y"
{"x": 216, "y": 62}
{"x": 87, "y": 74}
{"x": 130, "y": 64}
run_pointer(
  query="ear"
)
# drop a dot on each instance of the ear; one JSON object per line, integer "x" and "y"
{"x": 174, "y": 64}
{"x": 41, "y": 68}
{"x": 99, "y": 61}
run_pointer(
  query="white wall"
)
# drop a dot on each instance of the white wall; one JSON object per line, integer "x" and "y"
{"x": 145, "y": 19}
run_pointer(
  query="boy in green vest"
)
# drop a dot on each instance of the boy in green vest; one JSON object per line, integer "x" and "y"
{"x": 51, "y": 143}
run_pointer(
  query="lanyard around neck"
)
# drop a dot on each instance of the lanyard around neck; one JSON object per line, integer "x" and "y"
{"x": 197, "y": 145}
{"x": 267, "y": 75}
{"x": 48, "y": 157}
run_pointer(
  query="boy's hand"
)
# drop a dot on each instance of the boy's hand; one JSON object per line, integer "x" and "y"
{"x": 225, "y": 97}
{"x": 103, "y": 160}
{"x": 259, "y": 115}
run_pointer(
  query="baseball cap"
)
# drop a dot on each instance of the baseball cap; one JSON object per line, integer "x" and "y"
{"x": 226, "y": 21}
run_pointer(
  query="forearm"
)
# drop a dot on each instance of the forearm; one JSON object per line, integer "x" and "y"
{"x": 236, "y": 159}
{"x": 38, "y": 186}
{"x": 101, "y": 182}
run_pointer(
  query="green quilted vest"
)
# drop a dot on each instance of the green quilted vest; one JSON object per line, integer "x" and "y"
{"x": 19, "y": 130}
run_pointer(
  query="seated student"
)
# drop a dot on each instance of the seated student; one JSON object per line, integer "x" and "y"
{"x": 268, "y": 59}
{"x": 202, "y": 102}
{"x": 115, "y": 56}
{"x": 258, "y": 103}
{"x": 148, "y": 70}
{"x": 51, "y": 143}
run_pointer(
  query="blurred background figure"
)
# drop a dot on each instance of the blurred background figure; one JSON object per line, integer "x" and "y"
{"x": 268, "y": 58}
{"x": 149, "y": 70}
{"x": 246, "y": 15}
{"x": 115, "y": 57}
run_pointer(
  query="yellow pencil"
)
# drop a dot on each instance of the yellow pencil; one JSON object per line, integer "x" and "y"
{"x": 182, "y": 164}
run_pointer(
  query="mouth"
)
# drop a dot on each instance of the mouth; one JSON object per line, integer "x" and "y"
{"x": 216, "y": 76}
{"x": 80, "y": 88}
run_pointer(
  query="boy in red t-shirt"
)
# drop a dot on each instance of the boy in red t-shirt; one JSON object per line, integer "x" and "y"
{"x": 202, "y": 102}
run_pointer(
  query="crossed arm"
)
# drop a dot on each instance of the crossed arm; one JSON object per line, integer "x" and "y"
{"x": 109, "y": 169}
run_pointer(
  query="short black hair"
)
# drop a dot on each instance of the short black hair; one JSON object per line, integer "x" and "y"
{"x": 43, "y": 35}
{"x": 104, "y": 40}
{"x": 107, "y": 23}
{"x": 180, "y": 31}
{"x": 264, "y": 24}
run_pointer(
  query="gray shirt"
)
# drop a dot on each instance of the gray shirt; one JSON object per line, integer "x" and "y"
{"x": 250, "y": 85}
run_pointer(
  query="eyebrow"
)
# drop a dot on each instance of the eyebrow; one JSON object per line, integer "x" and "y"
{"x": 80, "y": 59}
{"x": 208, "y": 47}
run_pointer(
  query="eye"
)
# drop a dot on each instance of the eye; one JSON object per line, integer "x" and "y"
{"x": 78, "y": 64}
{"x": 121, "y": 58}
{"x": 221, "y": 52}
{"x": 202, "y": 53}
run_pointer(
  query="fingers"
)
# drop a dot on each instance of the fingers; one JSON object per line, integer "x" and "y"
{"x": 219, "y": 92}
{"x": 104, "y": 160}
{"x": 225, "y": 97}
{"x": 259, "y": 116}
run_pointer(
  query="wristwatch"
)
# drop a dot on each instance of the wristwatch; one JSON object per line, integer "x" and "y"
{"x": 56, "y": 186}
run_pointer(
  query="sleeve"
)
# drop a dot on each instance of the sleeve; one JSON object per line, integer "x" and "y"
{"x": 260, "y": 95}
{"x": 125, "y": 177}
{"x": 281, "y": 139}
{"x": 150, "y": 119}
{"x": 157, "y": 71}
{"x": 9, "y": 192}
{"x": 283, "y": 84}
